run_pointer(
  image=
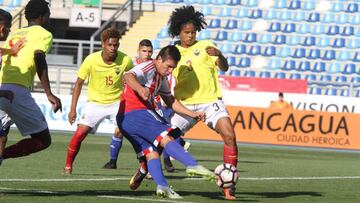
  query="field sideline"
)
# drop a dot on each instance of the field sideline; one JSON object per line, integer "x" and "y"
{"x": 267, "y": 174}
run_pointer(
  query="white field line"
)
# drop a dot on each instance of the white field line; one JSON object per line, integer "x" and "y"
{"x": 101, "y": 196}
{"x": 187, "y": 179}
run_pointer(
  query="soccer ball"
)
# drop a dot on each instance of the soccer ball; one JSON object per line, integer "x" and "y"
{"x": 226, "y": 175}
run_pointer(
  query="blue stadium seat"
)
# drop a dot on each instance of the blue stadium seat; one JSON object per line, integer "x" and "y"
{"x": 252, "y": 3}
{"x": 309, "y": 5}
{"x": 341, "y": 79}
{"x": 319, "y": 67}
{"x": 328, "y": 18}
{"x": 334, "y": 67}
{"x": 310, "y": 77}
{"x": 326, "y": 78}
{"x": 250, "y": 37}
{"x": 280, "y": 4}
{"x": 249, "y": 73}
{"x": 299, "y": 53}
{"x": 345, "y": 93}
{"x": 225, "y": 12}
{"x": 274, "y": 64}
{"x": 331, "y": 92}
{"x": 356, "y": 57}
{"x": 156, "y": 43}
{"x": 289, "y": 28}
{"x": 242, "y": 12}
{"x": 231, "y": 24}
{"x": 343, "y": 18}
{"x": 289, "y": 65}
{"x": 353, "y": 43}
{"x": 255, "y": 14}
{"x": 14, "y": 3}
{"x": 226, "y": 48}
{"x": 333, "y": 30}
{"x": 177, "y": 1}
{"x": 304, "y": 29}
{"x": 294, "y": 40}
{"x": 190, "y": 2}
{"x": 205, "y": 2}
{"x": 295, "y": 76}
{"x": 220, "y": 72}
{"x": 264, "y": 38}
{"x": 280, "y": 75}
{"x": 349, "y": 69}
{"x": 236, "y": 37}
{"x": 206, "y": 10}
{"x": 304, "y": 66}
{"x": 246, "y": 25}
{"x": 265, "y": 74}
{"x": 221, "y": 35}
{"x": 357, "y": 32}
{"x": 299, "y": 16}
{"x": 337, "y": 7}
{"x": 314, "y": 17}
{"x": 329, "y": 55}
{"x": 348, "y": 31}
{"x": 318, "y": 29}
{"x": 254, "y": 50}
{"x": 284, "y": 52}
{"x": 280, "y": 39}
{"x": 352, "y": 8}
{"x": 235, "y": 2}
{"x": 295, "y": 4}
{"x": 163, "y": 33}
{"x": 270, "y": 15}
{"x": 231, "y": 60}
{"x": 314, "y": 54}
{"x": 315, "y": 90}
{"x": 356, "y": 81}
{"x": 220, "y": 2}
{"x": 357, "y": 93}
{"x": 284, "y": 15}
{"x": 339, "y": 43}
{"x": 323, "y": 42}
{"x": 235, "y": 73}
{"x": 240, "y": 49}
{"x": 356, "y": 19}
{"x": 309, "y": 41}
{"x": 269, "y": 51}
{"x": 244, "y": 62}
{"x": 344, "y": 56}
{"x": 275, "y": 27}
{"x": 204, "y": 35}
{"x": 214, "y": 23}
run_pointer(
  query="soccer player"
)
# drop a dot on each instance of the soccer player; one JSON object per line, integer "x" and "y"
{"x": 145, "y": 51}
{"x": 281, "y": 103}
{"x": 146, "y": 130}
{"x": 17, "y": 75}
{"x": 104, "y": 70}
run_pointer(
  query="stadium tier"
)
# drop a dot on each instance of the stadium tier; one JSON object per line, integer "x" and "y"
{"x": 317, "y": 41}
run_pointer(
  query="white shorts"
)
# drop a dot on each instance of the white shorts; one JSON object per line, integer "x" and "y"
{"x": 214, "y": 111}
{"x": 25, "y": 113}
{"x": 94, "y": 114}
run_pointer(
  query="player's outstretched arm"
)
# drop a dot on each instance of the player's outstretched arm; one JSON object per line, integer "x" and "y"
{"x": 221, "y": 62}
{"x": 42, "y": 71}
{"x": 132, "y": 82}
{"x": 14, "y": 49}
{"x": 74, "y": 100}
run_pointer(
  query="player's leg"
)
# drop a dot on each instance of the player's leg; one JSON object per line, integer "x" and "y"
{"x": 74, "y": 146}
{"x": 115, "y": 146}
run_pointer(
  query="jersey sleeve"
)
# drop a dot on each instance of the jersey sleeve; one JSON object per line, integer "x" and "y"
{"x": 45, "y": 43}
{"x": 139, "y": 73}
{"x": 84, "y": 69}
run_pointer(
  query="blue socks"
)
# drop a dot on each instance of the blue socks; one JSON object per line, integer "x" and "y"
{"x": 115, "y": 147}
{"x": 177, "y": 151}
{"x": 154, "y": 167}
{"x": 178, "y": 140}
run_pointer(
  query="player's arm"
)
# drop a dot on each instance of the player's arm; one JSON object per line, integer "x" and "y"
{"x": 14, "y": 49}
{"x": 180, "y": 108}
{"x": 221, "y": 61}
{"x": 42, "y": 71}
{"x": 74, "y": 100}
{"x": 134, "y": 84}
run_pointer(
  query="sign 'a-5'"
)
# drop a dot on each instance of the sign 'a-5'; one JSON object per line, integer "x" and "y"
{"x": 85, "y": 17}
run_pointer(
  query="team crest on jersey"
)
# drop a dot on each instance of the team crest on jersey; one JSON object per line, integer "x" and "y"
{"x": 117, "y": 70}
{"x": 196, "y": 52}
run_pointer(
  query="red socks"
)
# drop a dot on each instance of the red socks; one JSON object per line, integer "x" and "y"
{"x": 24, "y": 147}
{"x": 230, "y": 155}
{"x": 74, "y": 146}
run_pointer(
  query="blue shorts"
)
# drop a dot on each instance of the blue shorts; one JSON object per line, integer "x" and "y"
{"x": 145, "y": 129}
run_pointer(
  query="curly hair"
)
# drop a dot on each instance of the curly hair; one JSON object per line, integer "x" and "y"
{"x": 36, "y": 8}
{"x": 184, "y": 15}
{"x": 5, "y": 18}
{"x": 110, "y": 33}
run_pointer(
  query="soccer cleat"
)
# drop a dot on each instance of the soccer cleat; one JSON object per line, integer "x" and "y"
{"x": 229, "y": 193}
{"x": 136, "y": 179}
{"x": 168, "y": 165}
{"x": 200, "y": 171}
{"x": 167, "y": 192}
{"x": 67, "y": 171}
{"x": 110, "y": 165}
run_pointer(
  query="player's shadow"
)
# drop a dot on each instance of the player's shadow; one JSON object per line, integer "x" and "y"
{"x": 281, "y": 194}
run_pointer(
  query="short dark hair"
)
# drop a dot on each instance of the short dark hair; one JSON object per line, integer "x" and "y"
{"x": 110, "y": 33}
{"x": 36, "y": 8}
{"x": 145, "y": 42}
{"x": 185, "y": 15}
{"x": 169, "y": 51}
{"x": 281, "y": 94}
{"x": 5, "y": 18}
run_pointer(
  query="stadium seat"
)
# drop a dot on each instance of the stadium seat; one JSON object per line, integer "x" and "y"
{"x": 337, "y": 7}
{"x": 242, "y": 12}
{"x": 356, "y": 19}
{"x": 14, "y": 3}
{"x": 204, "y": 35}
{"x": 309, "y": 5}
{"x": 295, "y": 4}
{"x": 323, "y": 42}
{"x": 280, "y": 39}
{"x": 275, "y": 27}
{"x": 319, "y": 67}
{"x": 254, "y": 50}
{"x": 284, "y": 52}
{"x": 318, "y": 29}
{"x": 329, "y": 55}
{"x": 314, "y": 17}
{"x": 339, "y": 43}
{"x": 265, "y": 74}
{"x": 315, "y": 90}
{"x": 246, "y": 25}
{"x": 205, "y": 2}
{"x": 284, "y": 15}
{"x": 236, "y": 37}
{"x": 235, "y": 2}
{"x": 299, "y": 16}
{"x": 309, "y": 41}
{"x": 250, "y": 37}
{"x": 355, "y": 81}
{"x": 295, "y": 76}
{"x": 255, "y": 14}
{"x": 333, "y": 30}
{"x": 231, "y": 60}
{"x": 289, "y": 28}
{"x": 225, "y": 12}
{"x": 270, "y": 15}
{"x": 334, "y": 67}
{"x": 226, "y": 48}
{"x": 221, "y": 35}
{"x": 344, "y": 56}
{"x": 190, "y": 2}
{"x": 163, "y": 33}
{"x": 294, "y": 40}
{"x": 220, "y": 2}
{"x": 357, "y": 93}
{"x": 314, "y": 54}
{"x": 331, "y": 92}
{"x": 328, "y": 18}
{"x": 156, "y": 43}
{"x": 347, "y": 31}
{"x": 326, "y": 78}
{"x": 304, "y": 29}
{"x": 356, "y": 57}
{"x": 353, "y": 43}
{"x": 289, "y": 65}
{"x": 280, "y": 75}
{"x": 274, "y": 64}
{"x": 310, "y": 77}
{"x": 345, "y": 93}
{"x": 357, "y": 32}
{"x": 252, "y": 3}
{"x": 299, "y": 53}
{"x": 235, "y": 73}
{"x": 240, "y": 49}
{"x": 349, "y": 69}
{"x": 264, "y": 38}
{"x": 269, "y": 51}
{"x": 206, "y": 10}
{"x": 352, "y": 8}
{"x": 341, "y": 79}
{"x": 343, "y": 18}
{"x": 214, "y": 23}
{"x": 231, "y": 24}
{"x": 304, "y": 66}
{"x": 244, "y": 62}
{"x": 249, "y": 73}
{"x": 280, "y": 4}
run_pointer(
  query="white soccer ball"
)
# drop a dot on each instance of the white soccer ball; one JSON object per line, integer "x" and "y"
{"x": 226, "y": 175}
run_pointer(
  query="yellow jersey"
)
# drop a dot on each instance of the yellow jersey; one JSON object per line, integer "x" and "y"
{"x": 280, "y": 105}
{"x": 105, "y": 81}
{"x": 196, "y": 75}
{"x": 21, "y": 69}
